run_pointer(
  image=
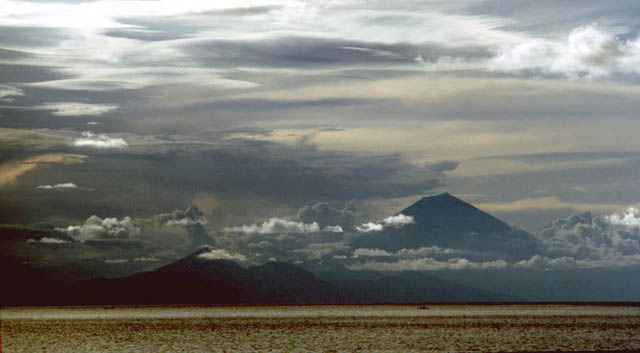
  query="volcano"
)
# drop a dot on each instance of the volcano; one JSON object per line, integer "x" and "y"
{"x": 448, "y": 222}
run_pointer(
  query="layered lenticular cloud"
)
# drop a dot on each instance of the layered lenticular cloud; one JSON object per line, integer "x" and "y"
{"x": 76, "y": 109}
{"x": 8, "y": 92}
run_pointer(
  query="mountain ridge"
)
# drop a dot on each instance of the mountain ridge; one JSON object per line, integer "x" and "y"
{"x": 193, "y": 280}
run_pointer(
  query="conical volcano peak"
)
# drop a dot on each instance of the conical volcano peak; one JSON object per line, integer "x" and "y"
{"x": 444, "y": 197}
{"x": 439, "y": 202}
{"x": 443, "y": 220}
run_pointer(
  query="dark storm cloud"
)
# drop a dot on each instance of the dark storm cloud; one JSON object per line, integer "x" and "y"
{"x": 586, "y": 241}
{"x": 326, "y": 215}
{"x": 100, "y": 243}
{"x": 192, "y": 220}
{"x": 156, "y": 175}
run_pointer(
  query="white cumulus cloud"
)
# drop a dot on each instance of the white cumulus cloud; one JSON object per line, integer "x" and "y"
{"x": 187, "y": 221}
{"x": 221, "y": 254}
{"x": 276, "y": 225}
{"x": 587, "y": 52}
{"x": 60, "y": 186}
{"x": 370, "y": 227}
{"x": 363, "y": 252}
{"x": 108, "y": 228}
{"x": 631, "y": 218}
{"x": 102, "y": 141}
{"x": 397, "y": 221}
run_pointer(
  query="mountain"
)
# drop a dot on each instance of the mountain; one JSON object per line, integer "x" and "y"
{"x": 197, "y": 280}
{"x": 448, "y": 222}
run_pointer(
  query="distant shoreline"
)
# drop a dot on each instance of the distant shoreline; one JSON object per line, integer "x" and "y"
{"x": 417, "y": 304}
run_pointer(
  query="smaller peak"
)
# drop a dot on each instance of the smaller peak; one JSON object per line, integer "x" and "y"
{"x": 203, "y": 249}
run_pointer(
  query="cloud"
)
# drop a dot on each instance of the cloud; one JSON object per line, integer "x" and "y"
{"x": 427, "y": 264}
{"x": 146, "y": 259}
{"x": 362, "y": 252}
{"x": 47, "y": 240}
{"x": 567, "y": 262}
{"x": 545, "y": 203}
{"x": 333, "y": 229}
{"x": 221, "y": 254}
{"x": 76, "y": 108}
{"x": 191, "y": 217}
{"x": 585, "y": 240}
{"x": 397, "y": 221}
{"x": 428, "y": 252}
{"x": 186, "y": 222}
{"x": 631, "y": 218}
{"x": 276, "y": 225}
{"x": 329, "y": 218}
{"x": 96, "y": 228}
{"x": 101, "y": 141}
{"x": 187, "y": 217}
{"x": 6, "y": 92}
{"x": 370, "y": 227}
{"x": 10, "y": 171}
{"x": 580, "y": 241}
{"x": 321, "y": 250}
{"x": 587, "y": 52}
{"x": 191, "y": 220}
{"x": 61, "y": 186}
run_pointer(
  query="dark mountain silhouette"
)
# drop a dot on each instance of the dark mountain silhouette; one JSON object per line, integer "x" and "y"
{"x": 196, "y": 280}
{"x": 446, "y": 221}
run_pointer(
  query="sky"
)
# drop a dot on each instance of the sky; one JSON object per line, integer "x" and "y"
{"x": 201, "y": 117}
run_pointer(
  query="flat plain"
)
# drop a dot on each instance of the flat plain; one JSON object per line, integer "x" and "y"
{"x": 374, "y": 328}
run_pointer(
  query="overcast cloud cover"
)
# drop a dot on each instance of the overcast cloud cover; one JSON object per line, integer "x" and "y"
{"x": 283, "y": 129}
